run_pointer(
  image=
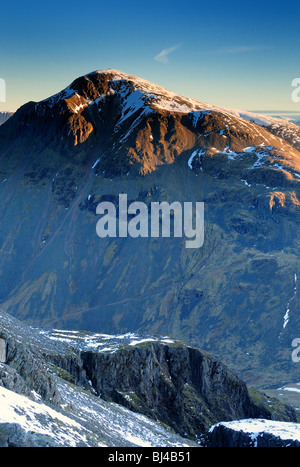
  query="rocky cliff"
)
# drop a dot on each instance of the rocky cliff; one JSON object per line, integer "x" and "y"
{"x": 141, "y": 390}
{"x": 43, "y": 404}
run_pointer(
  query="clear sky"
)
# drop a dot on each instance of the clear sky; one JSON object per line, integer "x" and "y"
{"x": 239, "y": 54}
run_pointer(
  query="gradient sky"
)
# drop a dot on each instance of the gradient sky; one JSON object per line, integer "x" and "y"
{"x": 238, "y": 54}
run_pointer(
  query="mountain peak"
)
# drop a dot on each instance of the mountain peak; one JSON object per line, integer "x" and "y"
{"x": 149, "y": 125}
{"x": 156, "y": 96}
{"x": 99, "y": 83}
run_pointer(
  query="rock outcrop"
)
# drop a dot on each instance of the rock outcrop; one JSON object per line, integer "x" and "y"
{"x": 164, "y": 379}
{"x": 254, "y": 433}
{"x": 183, "y": 387}
{"x": 24, "y": 371}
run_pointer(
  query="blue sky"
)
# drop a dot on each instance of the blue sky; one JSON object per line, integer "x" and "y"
{"x": 239, "y": 54}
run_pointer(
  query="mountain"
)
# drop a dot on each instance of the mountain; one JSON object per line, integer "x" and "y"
{"x": 72, "y": 388}
{"x": 5, "y": 116}
{"x": 110, "y": 133}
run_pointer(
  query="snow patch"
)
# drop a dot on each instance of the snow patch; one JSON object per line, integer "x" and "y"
{"x": 39, "y": 418}
{"x": 95, "y": 163}
{"x": 287, "y": 313}
{"x": 199, "y": 153}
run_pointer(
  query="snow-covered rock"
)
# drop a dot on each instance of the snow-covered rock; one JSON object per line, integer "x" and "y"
{"x": 254, "y": 433}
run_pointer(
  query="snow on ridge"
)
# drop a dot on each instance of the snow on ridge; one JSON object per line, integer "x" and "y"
{"x": 291, "y": 389}
{"x": 163, "y": 98}
{"x": 102, "y": 342}
{"x": 64, "y": 94}
{"x": 143, "y": 93}
{"x": 259, "y": 119}
{"x": 152, "y": 93}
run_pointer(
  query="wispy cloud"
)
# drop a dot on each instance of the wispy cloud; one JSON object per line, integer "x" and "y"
{"x": 163, "y": 55}
{"x": 237, "y": 49}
